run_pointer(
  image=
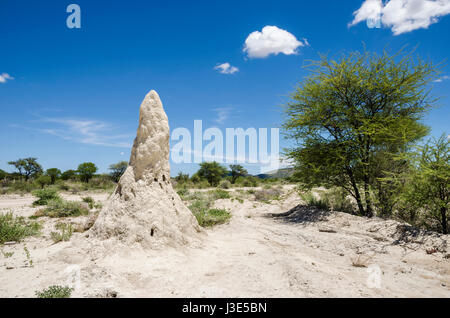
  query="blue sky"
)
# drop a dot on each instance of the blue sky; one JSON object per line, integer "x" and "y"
{"x": 73, "y": 95}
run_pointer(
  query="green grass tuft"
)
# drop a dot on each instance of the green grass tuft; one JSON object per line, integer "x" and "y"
{"x": 16, "y": 228}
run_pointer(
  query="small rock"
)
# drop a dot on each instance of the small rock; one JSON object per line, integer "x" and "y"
{"x": 9, "y": 267}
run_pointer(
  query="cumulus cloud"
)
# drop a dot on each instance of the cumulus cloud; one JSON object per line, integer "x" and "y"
{"x": 271, "y": 40}
{"x": 226, "y": 68}
{"x": 402, "y": 16}
{"x": 5, "y": 77}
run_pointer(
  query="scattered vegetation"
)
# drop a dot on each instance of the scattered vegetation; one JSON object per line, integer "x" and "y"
{"x": 268, "y": 194}
{"x": 62, "y": 208}
{"x": 90, "y": 201}
{"x": 28, "y": 256}
{"x": 64, "y": 234}
{"x": 55, "y": 291}
{"x": 45, "y": 196}
{"x": 16, "y": 228}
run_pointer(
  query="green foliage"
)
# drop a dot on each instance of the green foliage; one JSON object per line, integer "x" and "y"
{"x": 219, "y": 194}
{"x": 237, "y": 171}
{"x": 118, "y": 169}
{"x": 182, "y": 178}
{"x": 425, "y": 192}
{"x": 16, "y": 228}
{"x": 213, "y": 172}
{"x": 3, "y": 174}
{"x": 69, "y": 174}
{"x": 64, "y": 234}
{"x": 207, "y": 217}
{"x": 28, "y": 167}
{"x": 86, "y": 171}
{"x": 225, "y": 184}
{"x": 54, "y": 174}
{"x": 351, "y": 113}
{"x": 43, "y": 180}
{"x": 90, "y": 201}
{"x": 55, "y": 291}
{"x": 22, "y": 186}
{"x": 45, "y": 195}
{"x": 62, "y": 208}
{"x": 311, "y": 200}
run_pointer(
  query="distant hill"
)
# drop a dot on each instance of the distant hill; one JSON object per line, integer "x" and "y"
{"x": 280, "y": 173}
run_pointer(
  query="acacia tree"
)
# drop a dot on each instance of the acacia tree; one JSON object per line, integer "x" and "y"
{"x": 118, "y": 169}
{"x": 28, "y": 167}
{"x": 212, "y": 172}
{"x": 86, "y": 171}
{"x": 426, "y": 185}
{"x": 237, "y": 171}
{"x": 53, "y": 173}
{"x": 352, "y": 115}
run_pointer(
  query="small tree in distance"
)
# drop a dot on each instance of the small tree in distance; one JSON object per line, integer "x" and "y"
{"x": 68, "y": 174}
{"x": 86, "y": 171}
{"x": 28, "y": 167}
{"x": 236, "y": 172}
{"x": 53, "y": 173}
{"x": 212, "y": 172}
{"x": 118, "y": 169}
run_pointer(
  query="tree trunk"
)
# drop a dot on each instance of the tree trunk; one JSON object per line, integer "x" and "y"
{"x": 369, "y": 212}
{"x": 444, "y": 220}
{"x": 355, "y": 188}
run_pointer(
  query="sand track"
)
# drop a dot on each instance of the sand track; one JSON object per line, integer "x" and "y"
{"x": 259, "y": 253}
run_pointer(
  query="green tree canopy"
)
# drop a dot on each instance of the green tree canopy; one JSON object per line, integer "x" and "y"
{"x": 53, "y": 173}
{"x": 427, "y": 183}
{"x": 28, "y": 167}
{"x": 213, "y": 172}
{"x": 86, "y": 171}
{"x": 351, "y": 112}
{"x": 118, "y": 169}
{"x": 237, "y": 171}
{"x": 3, "y": 174}
{"x": 68, "y": 174}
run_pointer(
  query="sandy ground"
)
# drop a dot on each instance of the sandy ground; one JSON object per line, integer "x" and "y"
{"x": 266, "y": 250}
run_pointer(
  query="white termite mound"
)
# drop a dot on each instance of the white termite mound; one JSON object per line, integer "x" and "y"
{"x": 144, "y": 208}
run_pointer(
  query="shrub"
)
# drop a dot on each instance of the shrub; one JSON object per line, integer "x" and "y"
{"x": 43, "y": 180}
{"x": 219, "y": 194}
{"x": 15, "y": 228}
{"x": 64, "y": 234}
{"x": 266, "y": 195}
{"x": 337, "y": 200}
{"x": 182, "y": 192}
{"x": 45, "y": 195}
{"x": 211, "y": 217}
{"x": 311, "y": 200}
{"x": 225, "y": 184}
{"x": 22, "y": 186}
{"x": 55, "y": 291}
{"x": 90, "y": 201}
{"x": 61, "y": 208}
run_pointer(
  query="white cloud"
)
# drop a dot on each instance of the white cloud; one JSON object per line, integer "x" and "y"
{"x": 402, "y": 16}
{"x": 89, "y": 132}
{"x": 226, "y": 68}
{"x": 222, "y": 114}
{"x": 5, "y": 77}
{"x": 271, "y": 40}
{"x": 443, "y": 78}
